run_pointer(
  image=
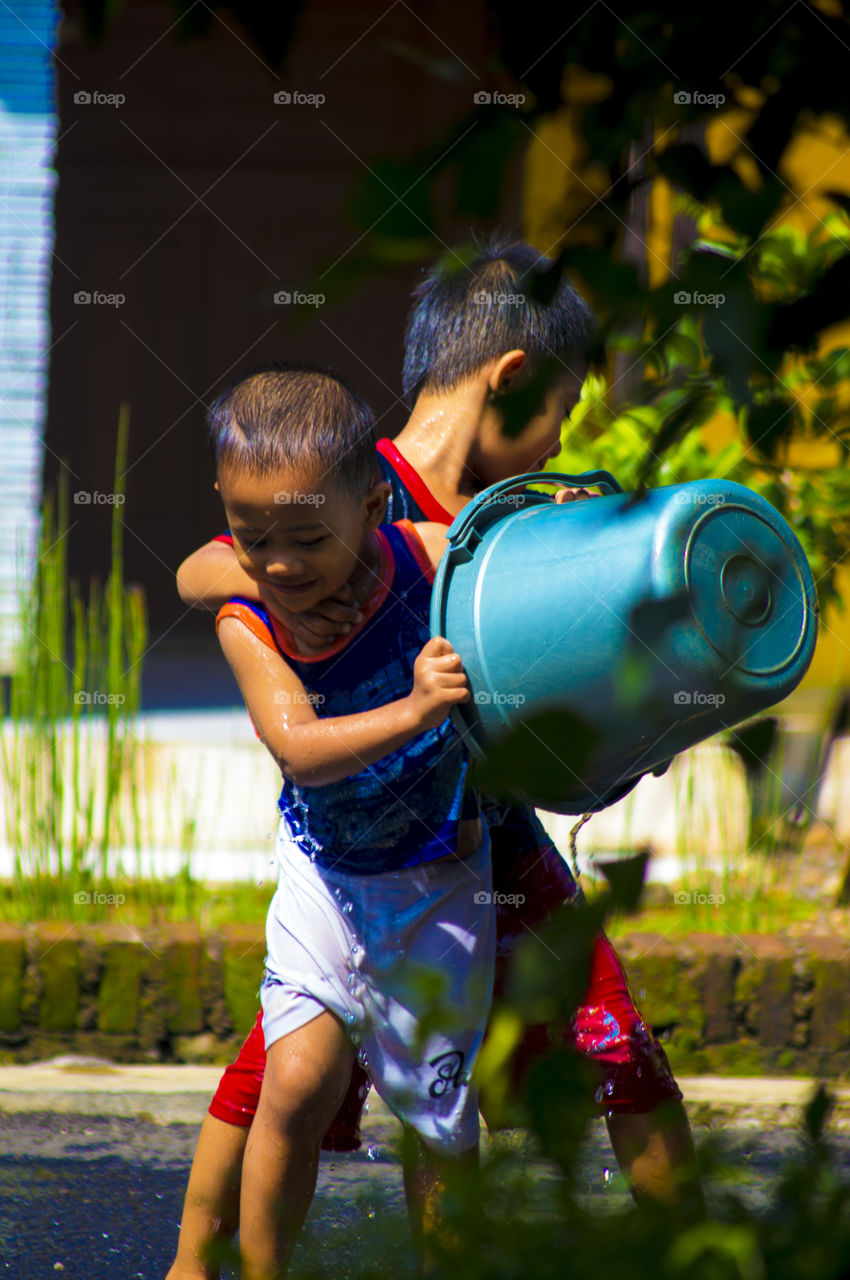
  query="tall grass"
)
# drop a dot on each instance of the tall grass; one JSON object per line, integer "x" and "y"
{"x": 68, "y": 742}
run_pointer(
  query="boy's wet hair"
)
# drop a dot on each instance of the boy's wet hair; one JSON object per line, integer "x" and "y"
{"x": 505, "y": 296}
{"x": 295, "y": 415}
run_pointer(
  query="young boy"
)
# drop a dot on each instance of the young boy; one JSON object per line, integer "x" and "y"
{"x": 461, "y": 356}
{"x": 384, "y": 862}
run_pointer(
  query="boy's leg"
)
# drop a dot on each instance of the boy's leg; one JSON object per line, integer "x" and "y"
{"x": 211, "y": 1208}
{"x": 655, "y": 1150}
{"x": 647, "y": 1123}
{"x": 307, "y": 1074}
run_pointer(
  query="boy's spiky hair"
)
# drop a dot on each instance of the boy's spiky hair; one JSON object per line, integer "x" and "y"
{"x": 502, "y": 295}
{"x": 294, "y": 414}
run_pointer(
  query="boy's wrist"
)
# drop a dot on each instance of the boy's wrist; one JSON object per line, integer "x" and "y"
{"x": 412, "y": 714}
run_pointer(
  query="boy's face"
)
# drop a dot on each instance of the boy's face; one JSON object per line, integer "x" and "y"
{"x": 503, "y": 456}
{"x": 299, "y": 536}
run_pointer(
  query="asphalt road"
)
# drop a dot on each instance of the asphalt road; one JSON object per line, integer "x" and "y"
{"x": 90, "y": 1195}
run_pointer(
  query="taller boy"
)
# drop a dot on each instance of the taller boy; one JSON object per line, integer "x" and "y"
{"x": 469, "y": 339}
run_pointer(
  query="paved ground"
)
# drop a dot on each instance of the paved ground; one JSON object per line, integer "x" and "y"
{"x": 95, "y": 1159}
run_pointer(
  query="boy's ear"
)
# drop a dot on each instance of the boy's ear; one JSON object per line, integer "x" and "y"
{"x": 505, "y": 368}
{"x": 375, "y": 504}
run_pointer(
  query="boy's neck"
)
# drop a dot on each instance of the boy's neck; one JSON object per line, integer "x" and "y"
{"x": 362, "y": 583}
{"x": 439, "y": 441}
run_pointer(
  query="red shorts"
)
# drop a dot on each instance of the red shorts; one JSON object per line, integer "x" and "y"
{"x": 607, "y": 1029}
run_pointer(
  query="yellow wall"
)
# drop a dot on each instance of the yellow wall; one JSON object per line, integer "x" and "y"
{"x": 561, "y": 183}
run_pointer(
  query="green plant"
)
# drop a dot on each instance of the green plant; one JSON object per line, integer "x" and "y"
{"x": 69, "y": 750}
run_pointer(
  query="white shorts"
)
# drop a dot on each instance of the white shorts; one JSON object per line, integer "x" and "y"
{"x": 379, "y": 951}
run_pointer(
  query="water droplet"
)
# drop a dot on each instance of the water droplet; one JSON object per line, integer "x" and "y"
{"x": 348, "y": 908}
{"x": 373, "y": 1153}
{"x": 599, "y": 1094}
{"x": 607, "y": 1175}
{"x": 354, "y": 949}
{"x": 366, "y": 1108}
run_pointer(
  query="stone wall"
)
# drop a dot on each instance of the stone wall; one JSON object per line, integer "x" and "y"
{"x": 754, "y": 1004}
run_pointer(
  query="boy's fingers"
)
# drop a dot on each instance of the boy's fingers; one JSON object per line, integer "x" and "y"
{"x": 573, "y": 495}
{"x": 336, "y": 611}
{"x": 436, "y": 647}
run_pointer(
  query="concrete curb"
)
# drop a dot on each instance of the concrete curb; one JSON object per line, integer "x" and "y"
{"x": 181, "y": 1094}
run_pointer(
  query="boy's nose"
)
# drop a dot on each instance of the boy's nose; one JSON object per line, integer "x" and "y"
{"x": 288, "y": 567}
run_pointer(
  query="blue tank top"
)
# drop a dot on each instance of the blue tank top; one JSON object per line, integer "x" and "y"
{"x": 405, "y": 808}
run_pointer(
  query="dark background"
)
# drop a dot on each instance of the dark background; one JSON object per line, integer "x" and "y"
{"x": 198, "y": 199}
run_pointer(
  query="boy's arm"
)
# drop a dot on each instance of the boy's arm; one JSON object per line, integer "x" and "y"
{"x": 314, "y": 751}
{"x": 212, "y": 575}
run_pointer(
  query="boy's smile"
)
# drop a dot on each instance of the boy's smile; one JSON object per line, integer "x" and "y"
{"x": 300, "y": 536}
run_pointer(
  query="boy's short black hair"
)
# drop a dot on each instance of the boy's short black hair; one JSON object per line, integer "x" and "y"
{"x": 464, "y": 316}
{"x": 295, "y": 414}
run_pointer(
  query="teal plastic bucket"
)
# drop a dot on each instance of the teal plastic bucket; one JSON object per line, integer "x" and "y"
{"x": 604, "y": 636}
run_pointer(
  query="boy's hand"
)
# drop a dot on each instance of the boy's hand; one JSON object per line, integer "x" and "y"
{"x": 573, "y": 495}
{"x": 438, "y": 683}
{"x": 321, "y": 627}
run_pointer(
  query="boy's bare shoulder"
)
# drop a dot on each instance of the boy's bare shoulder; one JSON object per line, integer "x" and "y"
{"x": 433, "y": 539}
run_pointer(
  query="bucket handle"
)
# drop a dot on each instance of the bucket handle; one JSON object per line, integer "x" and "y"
{"x": 467, "y": 528}
{"x": 602, "y": 479}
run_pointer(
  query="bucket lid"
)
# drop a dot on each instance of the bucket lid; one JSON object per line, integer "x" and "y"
{"x": 749, "y": 590}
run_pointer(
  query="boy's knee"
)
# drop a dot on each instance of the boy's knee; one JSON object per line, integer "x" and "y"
{"x": 301, "y": 1094}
